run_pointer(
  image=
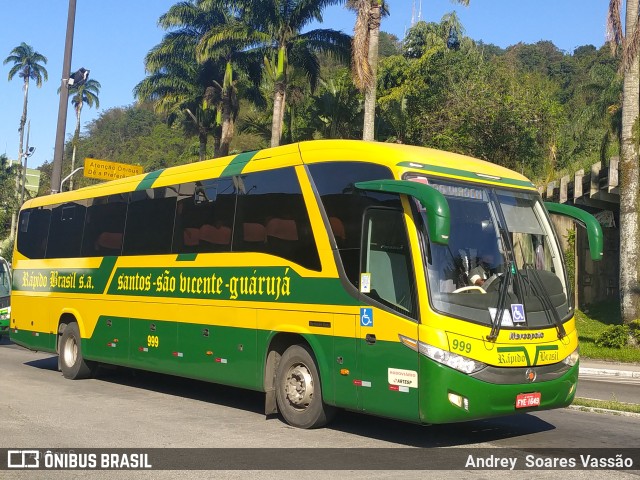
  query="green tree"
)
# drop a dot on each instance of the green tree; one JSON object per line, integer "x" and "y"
{"x": 229, "y": 41}
{"x": 28, "y": 64}
{"x": 593, "y": 108}
{"x": 389, "y": 45}
{"x": 628, "y": 38}
{"x": 459, "y": 101}
{"x": 336, "y": 111}
{"x": 177, "y": 83}
{"x": 279, "y": 25}
{"x": 221, "y": 39}
{"x": 364, "y": 60}
{"x": 86, "y": 93}
{"x": 364, "y": 56}
{"x": 7, "y": 194}
{"x": 133, "y": 135}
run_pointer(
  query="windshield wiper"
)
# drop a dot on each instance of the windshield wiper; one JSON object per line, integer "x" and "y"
{"x": 539, "y": 290}
{"x": 502, "y": 301}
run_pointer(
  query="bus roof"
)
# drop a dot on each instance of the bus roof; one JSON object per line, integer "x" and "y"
{"x": 399, "y": 158}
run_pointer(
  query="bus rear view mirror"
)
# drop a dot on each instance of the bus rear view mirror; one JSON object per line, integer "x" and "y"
{"x": 434, "y": 202}
{"x": 594, "y": 230}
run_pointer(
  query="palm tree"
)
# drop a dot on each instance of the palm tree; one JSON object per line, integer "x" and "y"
{"x": 278, "y": 25}
{"x": 629, "y": 167}
{"x": 178, "y": 85}
{"x": 364, "y": 60}
{"x": 27, "y": 63}
{"x": 208, "y": 44}
{"x": 84, "y": 93}
{"x": 228, "y": 41}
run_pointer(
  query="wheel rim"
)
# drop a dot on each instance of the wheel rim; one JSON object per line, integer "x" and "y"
{"x": 70, "y": 351}
{"x": 299, "y": 386}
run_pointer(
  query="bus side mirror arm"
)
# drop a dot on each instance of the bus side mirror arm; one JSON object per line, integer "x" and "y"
{"x": 437, "y": 208}
{"x": 594, "y": 230}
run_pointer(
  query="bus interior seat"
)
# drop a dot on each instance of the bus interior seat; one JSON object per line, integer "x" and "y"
{"x": 254, "y": 236}
{"x": 284, "y": 229}
{"x": 338, "y": 230}
{"x": 282, "y": 236}
{"x": 191, "y": 237}
{"x": 219, "y": 235}
{"x": 108, "y": 242}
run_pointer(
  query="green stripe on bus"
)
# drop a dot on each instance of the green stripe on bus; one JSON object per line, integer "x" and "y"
{"x": 238, "y": 163}
{"x": 258, "y": 284}
{"x": 466, "y": 174}
{"x": 147, "y": 181}
{"x": 186, "y": 257}
{"x": 67, "y": 280}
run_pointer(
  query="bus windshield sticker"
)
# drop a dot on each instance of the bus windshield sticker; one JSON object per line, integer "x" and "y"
{"x": 506, "y": 317}
{"x": 366, "y": 317}
{"x": 517, "y": 311}
{"x": 365, "y": 282}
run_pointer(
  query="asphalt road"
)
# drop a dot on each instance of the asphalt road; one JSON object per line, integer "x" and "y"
{"x": 130, "y": 409}
{"x": 602, "y": 387}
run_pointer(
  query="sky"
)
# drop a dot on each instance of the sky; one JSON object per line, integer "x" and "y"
{"x": 112, "y": 38}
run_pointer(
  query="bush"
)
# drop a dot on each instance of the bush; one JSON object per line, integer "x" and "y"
{"x": 615, "y": 336}
{"x": 634, "y": 330}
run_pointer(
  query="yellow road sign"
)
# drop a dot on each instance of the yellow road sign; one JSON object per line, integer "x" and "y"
{"x": 104, "y": 170}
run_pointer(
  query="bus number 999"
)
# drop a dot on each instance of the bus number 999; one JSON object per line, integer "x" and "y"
{"x": 153, "y": 341}
{"x": 461, "y": 346}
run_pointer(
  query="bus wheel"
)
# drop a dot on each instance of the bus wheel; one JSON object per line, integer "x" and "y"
{"x": 72, "y": 364}
{"x": 298, "y": 390}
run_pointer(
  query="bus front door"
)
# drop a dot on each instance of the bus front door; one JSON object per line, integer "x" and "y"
{"x": 388, "y": 369}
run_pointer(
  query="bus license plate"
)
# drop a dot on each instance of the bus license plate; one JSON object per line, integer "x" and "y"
{"x": 526, "y": 400}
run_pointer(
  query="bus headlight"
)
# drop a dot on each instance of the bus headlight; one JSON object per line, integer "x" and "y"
{"x": 458, "y": 362}
{"x": 572, "y": 359}
{"x": 453, "y": 360}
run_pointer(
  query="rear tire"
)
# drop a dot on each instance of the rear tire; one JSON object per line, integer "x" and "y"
{"x": 298, "y": 390}
{"x": 72, "y": 363}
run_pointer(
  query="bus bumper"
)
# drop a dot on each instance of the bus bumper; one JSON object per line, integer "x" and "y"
{"x": 4, "y": 320}
{"x": 449, "y": 396}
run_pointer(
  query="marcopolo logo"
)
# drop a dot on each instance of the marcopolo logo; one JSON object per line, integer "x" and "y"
{"x": 23, "y": 459}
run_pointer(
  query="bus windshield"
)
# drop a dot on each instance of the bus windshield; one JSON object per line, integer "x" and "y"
{"x": 495, "y": 231}
{"x": 5, "y": 279}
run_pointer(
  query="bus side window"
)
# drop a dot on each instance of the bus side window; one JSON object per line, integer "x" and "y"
{"x": 344, "y": 205}
{"x": 204, "y": 216}
{"x": 272, "y": 217}
{"x": 104, "y": 226}
{"x": 150, "y": 219}
{"x": 65, "y": 232}
{"x": 386, "y": 257}
{"x": 34, "y": 231}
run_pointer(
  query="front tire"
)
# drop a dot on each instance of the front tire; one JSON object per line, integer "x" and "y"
{"x": 298, "y": 390}
{"x": 72, "y": 363}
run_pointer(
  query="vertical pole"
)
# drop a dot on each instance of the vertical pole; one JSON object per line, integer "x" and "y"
{"x": 24, "y": 170}
{"x": 56, "y": 173}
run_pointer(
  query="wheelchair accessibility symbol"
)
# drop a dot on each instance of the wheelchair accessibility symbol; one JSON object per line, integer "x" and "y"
{"x": 517, "y": 312}
{"x": 366, "y": 317}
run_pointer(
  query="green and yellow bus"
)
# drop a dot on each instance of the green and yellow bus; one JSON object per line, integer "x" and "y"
{"x": 389, "y": 279}
{"x": 5, "y": 297}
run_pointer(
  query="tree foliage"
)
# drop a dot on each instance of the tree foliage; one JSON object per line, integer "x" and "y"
{"x": 533, "y": 108}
